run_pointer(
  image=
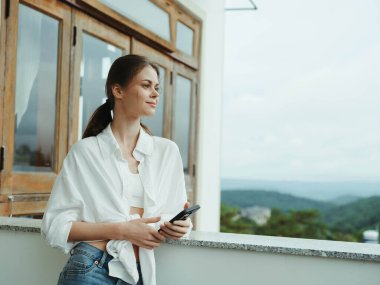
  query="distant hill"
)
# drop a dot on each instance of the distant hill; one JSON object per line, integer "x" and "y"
{"x": 344, "y": 199}
{"x": 271, "y": 199}
{"x": 322, "y": 191}
{"x": 358, "y": 215}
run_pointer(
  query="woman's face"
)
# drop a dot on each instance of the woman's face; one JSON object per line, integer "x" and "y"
{"x": 140, "y": 97}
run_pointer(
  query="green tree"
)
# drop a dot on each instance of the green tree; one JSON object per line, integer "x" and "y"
{"x": 293, "y": 223}
{"x": 229, "y": 222}
{"x": 302, "y": 224}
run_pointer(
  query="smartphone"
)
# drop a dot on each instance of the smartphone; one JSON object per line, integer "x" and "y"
{"x": 185, "y": 213}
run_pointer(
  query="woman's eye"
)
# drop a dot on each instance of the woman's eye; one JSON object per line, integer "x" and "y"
{"x": 147, "y": 86}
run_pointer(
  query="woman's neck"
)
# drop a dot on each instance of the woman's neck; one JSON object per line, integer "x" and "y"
{"x": 126, "y": 132}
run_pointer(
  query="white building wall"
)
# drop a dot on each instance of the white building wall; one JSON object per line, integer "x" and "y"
{"x": 210, "y": 114}
{"x": 27, "y": 259}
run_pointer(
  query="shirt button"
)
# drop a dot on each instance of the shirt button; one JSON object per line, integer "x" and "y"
{"x": 96, "y": 262}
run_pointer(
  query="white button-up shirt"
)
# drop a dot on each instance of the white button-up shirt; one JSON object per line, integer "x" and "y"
{"x": 92, "y": 187}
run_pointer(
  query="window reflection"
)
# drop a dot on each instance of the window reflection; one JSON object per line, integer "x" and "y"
{"x": 144, "y": 13}
{"x": 96, "y": 61}
{"x": 185, "y": 38}
{"x": 36, "y": 90}
{"x": 181, "y": 122}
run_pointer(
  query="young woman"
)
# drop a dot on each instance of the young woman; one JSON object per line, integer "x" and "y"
{"x": 118, "y": 185}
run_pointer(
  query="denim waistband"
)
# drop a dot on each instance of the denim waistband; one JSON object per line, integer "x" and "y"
{"x": 94, "y": 253}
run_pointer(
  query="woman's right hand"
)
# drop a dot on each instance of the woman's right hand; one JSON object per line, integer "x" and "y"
{"x": 139, "y": 233}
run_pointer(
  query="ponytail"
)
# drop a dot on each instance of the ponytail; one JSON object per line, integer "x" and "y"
{"x": 99, "y": 120}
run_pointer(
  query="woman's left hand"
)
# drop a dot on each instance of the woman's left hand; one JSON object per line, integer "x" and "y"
{"x": 178, "y": 229}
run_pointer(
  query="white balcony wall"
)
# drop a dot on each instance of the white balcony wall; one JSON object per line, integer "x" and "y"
{"x": 27, "y": 259}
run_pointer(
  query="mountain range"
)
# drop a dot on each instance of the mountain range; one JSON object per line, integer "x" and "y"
{"x": 336, "y": 192}
{"x": 345, "y": 213}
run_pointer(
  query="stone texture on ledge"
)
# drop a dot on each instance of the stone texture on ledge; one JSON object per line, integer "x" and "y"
{"x": 20, "y": 224}
{"x": 284, "y": 245}
{"x": 257, "y": 243}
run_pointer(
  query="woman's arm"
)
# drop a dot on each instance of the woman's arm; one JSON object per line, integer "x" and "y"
{"x": 85, "y": 231}
{"x": 136, "y": 231}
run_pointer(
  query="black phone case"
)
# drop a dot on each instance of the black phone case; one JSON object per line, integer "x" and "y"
{"x": 185, "y": 213}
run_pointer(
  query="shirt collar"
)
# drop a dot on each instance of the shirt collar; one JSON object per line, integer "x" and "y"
{"x": 109, "y": 145}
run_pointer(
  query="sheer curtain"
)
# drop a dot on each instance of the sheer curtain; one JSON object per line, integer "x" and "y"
{"x": 28, "y": 57}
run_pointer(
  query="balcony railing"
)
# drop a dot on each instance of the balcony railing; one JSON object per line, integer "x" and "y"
{"x": 206, "y": 258}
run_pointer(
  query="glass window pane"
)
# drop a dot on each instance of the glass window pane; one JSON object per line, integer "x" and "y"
{"x": 185, "y": 38}
{"x": 96, "y": 61}
{"x": 144, "y": 13}
{"x": 182, "y": 118}
{"x": 156, "y": 122}
{"x": 36, "y": 89}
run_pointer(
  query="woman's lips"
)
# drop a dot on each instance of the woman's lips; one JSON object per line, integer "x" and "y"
{"x": 152, "y": 104}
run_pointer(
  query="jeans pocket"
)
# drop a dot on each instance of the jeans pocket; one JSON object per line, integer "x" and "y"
{"x": 80, "y": 263}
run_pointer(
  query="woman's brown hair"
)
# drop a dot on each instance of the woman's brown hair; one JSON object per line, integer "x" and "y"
{"x": 122, "y": 71}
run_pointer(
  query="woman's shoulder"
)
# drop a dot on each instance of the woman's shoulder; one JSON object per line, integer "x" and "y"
{"x": 78, "y": 153}
{"x": 162, "y": 144}
{"x": 82, "y": 147}
{"x": 166, "y": 152}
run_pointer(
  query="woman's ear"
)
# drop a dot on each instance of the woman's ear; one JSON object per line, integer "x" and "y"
{"x": 117, "y": 91}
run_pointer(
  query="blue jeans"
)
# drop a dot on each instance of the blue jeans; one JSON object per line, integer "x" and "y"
{"x": 88, "y": 265}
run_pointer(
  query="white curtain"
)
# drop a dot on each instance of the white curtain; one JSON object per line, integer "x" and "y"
{"x": 28, "y": 57}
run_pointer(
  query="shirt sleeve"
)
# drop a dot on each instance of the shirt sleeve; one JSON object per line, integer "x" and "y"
{"x": 64, "y": 206}
{"x": 178, "y": 193}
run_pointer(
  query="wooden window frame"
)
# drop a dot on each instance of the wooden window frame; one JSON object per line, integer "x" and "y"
{"x": 2, "y": 71}
{"x": 24, "y": 193}
{"x": 133, "y": 25}
{"x": 190, "y": 177}
{"x": 84, "y": 23}
{"x": 176, "y": 12}
{"x": 195, "y": 25}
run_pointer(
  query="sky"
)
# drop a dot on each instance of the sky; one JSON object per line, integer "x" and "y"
{"x": 302, "y": 91}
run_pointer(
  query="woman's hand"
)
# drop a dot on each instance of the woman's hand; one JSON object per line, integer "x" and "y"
{"x": 177, "y": 229}
{"x": 139, "y": 233}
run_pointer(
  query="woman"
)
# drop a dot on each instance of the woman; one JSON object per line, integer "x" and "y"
{"x": 118, "y": 185}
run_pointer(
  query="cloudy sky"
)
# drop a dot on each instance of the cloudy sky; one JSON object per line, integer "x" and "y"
{"x": 302, "y": 91}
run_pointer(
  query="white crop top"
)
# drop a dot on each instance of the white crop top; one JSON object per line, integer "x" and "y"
{"x": 135, "y": 189}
